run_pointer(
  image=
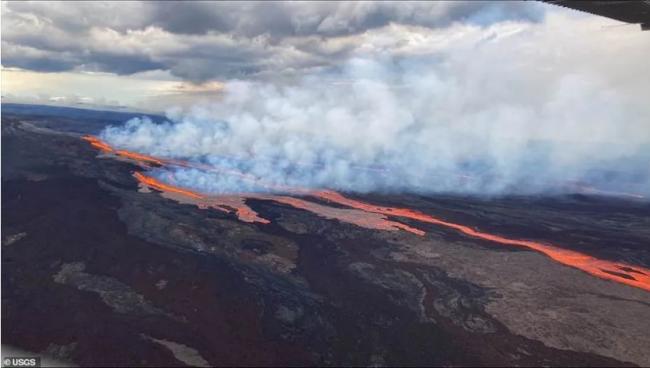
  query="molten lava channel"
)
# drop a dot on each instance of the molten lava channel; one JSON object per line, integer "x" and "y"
{"x": 153, "y": 183}
{"x": 616, "y": 271}
{"x": 366, "y": 215}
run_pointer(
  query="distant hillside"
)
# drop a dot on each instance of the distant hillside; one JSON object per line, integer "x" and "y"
{"x": 73, "y": 113}
{"x": 70, "y": 119}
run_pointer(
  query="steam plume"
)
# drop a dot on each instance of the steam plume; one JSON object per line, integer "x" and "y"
{"x": 485, "y": 116}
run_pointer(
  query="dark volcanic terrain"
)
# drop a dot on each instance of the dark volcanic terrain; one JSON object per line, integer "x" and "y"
{"x": 98, "y": 272}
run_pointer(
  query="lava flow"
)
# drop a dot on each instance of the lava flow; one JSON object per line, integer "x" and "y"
{"x": 373, "y": 217}
{"x": 139, "y": 157}
{"x": 247, "y": 214}
{"x": 617, "y": 271}
{"x": 97, "y": 143}
{"x": 352, "y": 216}
{"x": 151, "y": 182}
{"x": 106, "y": 148}
{"x": 147, "y": 161}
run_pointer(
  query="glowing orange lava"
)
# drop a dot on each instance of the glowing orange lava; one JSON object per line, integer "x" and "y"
{"x": 359, "y": 218}
{"x": 153, "y": 183}
{"x": 238, "y": 204}
{"x": 246, "y": 214}
{"x": 221, "y": 203}
{"x": 97, "y": 143}
{"x": 372, "y": 216}
{"x": 106, "y": 148}
{"x": 616, "y": 271}
{"x": 139, "y": 157}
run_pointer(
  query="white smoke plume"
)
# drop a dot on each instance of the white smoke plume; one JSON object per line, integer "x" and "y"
{"x": 515, "y": 108}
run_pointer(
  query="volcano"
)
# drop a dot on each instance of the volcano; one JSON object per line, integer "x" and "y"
{"x": 107, "y": 260}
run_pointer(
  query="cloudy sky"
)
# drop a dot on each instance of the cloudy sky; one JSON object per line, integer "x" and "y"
{"x": 150, "y": 55}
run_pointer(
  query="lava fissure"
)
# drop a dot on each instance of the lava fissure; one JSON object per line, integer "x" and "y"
{"x": 367, "y": 215}
{"x": 567, "y": 257}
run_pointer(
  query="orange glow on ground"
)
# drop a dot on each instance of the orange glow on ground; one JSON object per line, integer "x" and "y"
{"x": 106, "y": 148}
{"x": 97, "y": 143}
{"x": 221, "y": 203}
{"x": 153, "y": 183}
{"x": 367, "y": 220}
{"x": 238, "y": 205}
{"x": 373, "y": 217}
{"x": 139, "y": 157}
{"x": 247, "y": 214}
{"x": 144, "y": 160}
{"x": 616, "y": 271}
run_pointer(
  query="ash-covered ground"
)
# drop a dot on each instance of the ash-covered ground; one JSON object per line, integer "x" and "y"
{"x": 97, "y": 272}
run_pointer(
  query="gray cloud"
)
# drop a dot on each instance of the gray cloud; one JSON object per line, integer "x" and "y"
{"x": 279, "y": 19}
{"x": 192, "y": 17}
{"x": 199, "y": 41}
{"x": 34, "y": 59}
{"x": 44, "y": 60}
{"x": 122, "y": 64}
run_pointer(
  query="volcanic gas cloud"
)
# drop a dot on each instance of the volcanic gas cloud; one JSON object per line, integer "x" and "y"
{"x": 355, "y": 212}
{"x": 458, "y": 124}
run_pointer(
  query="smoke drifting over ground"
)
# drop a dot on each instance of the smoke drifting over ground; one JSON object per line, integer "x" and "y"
{"x": 511, "y": 109}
